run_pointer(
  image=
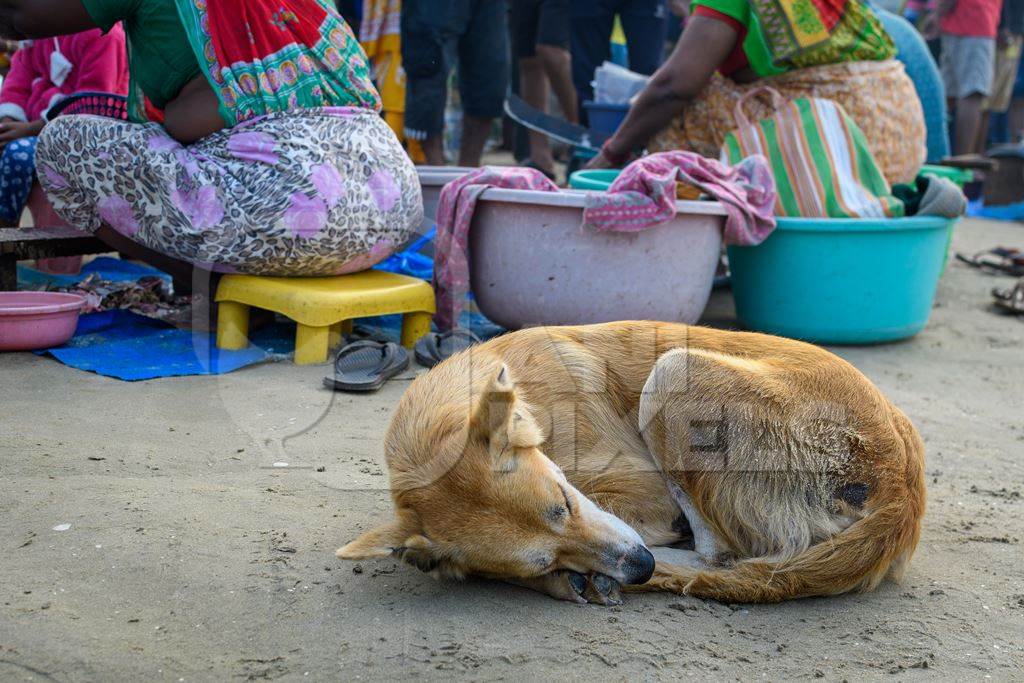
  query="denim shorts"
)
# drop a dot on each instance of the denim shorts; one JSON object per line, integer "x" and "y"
{"x": 968, "y": 64}
{"x": 438, "y": 35}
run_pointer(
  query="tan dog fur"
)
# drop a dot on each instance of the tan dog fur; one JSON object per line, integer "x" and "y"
{"x": 764, "y": 435}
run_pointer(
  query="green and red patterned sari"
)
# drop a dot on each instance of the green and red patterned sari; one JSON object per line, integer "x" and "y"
{"x": 778, "y": 36}
{"x": 815, "y": 32}
{"x": 268, "y": 56}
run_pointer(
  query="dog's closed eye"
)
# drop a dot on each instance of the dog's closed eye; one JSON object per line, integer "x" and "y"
{"x": 556, "y": 513}
{"x": 568, "y": 501}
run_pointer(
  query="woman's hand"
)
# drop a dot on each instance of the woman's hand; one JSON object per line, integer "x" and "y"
{"x": 704, "y": 45}
{"x": 15, "y": 130}
{"x": 600, "y": 161}
{"x": 611, "y": 155}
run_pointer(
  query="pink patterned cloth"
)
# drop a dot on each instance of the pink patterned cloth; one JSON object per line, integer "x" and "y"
{"x": 454, "y": 216}
{"x": 644, "y": 195}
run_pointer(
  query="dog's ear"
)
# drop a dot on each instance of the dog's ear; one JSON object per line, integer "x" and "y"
{"x": 382, "y": 541}
{"x": 501, "y": 419}
{"x": 494, "y": 409}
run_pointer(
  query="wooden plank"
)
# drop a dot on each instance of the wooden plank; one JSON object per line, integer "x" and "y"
{"x": 18, "y": 244}
{"x": 33, "y": 235}
{"x": 32, "y": 243}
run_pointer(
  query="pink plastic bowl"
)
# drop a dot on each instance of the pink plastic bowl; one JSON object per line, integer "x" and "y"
{"x": 37, "y": 320}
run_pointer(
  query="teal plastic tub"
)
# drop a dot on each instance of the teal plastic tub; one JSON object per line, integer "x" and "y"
{"x": 602, "y": 179}
{"x": 841, "y": 281}
{"x": 595, "y": 179}
{"x": 834, "y": 280}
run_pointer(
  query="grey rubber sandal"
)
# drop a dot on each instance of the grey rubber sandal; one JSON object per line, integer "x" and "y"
{"x": 366, "y": 365}
{"x": 433, "y": 348}
{"x": 999, "y": 260}
{"x": 1012, "y": 299}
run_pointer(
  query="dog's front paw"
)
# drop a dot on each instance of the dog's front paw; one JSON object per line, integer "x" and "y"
{"x": 571, "y": 586}
{"x": 603, "y": 590}
{"x": 561, "y": 585}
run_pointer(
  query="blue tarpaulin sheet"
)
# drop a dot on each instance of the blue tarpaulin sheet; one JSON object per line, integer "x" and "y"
{"x": 132, "y": 347}
{"x": 1008, "y": 212}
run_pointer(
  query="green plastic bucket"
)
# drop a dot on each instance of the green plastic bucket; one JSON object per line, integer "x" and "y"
{"x": 960, "y": 176}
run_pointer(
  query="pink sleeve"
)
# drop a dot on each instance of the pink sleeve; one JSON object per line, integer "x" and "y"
{"x": 17, "y": 86}
{"x": 48, "y": 98}
{"x": 101, "y": 62}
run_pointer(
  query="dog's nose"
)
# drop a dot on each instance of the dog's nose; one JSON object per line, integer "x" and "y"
{"x": 638, "y": 565}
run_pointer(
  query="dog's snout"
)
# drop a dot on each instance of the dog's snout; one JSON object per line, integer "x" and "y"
{"x": 638, "y": 565}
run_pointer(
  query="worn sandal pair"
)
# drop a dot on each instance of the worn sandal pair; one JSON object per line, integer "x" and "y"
{"x": 366, "y": 365}
{"x": 1012, "y": 299}
{"x": 433, "y": 348}
{"x": 1000, "y": 260}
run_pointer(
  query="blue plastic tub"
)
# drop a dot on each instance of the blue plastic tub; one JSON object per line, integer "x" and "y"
{"x": 605, "y": 118}
{"x": 841, "y": 281}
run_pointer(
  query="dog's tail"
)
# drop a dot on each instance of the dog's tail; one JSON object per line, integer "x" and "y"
{"x": 856, "y": 559}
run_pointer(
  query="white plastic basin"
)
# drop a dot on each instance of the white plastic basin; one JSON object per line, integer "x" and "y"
{"x": 531, "y": 262}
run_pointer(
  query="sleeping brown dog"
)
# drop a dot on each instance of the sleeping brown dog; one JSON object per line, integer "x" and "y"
{"x": 726, "y": 465}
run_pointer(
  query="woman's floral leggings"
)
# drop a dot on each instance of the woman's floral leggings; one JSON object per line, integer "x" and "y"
{"x": 303, "y": 193}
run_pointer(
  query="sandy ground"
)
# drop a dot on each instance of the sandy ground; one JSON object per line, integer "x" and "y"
{"x": 190, "y": 556}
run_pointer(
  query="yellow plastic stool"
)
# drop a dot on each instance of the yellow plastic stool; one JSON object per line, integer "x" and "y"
{"x": 323, "y": 307}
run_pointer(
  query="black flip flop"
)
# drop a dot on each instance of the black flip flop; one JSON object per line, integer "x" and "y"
{"x": 433, "y": 348}
{"x": 1012, "y": 299}
{"x": 366, "y": 365}
{"x": 999, "y": 260}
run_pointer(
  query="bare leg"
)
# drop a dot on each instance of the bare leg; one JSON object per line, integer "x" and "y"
{"x": 475, "y": 131}
{"x": 1016, "y": 119}
{"x": 433, "y": 150}
{"x": 533, "y": 84}
{"x": 558, "y": 66}
{"x": 981, "y": 144}
{"x": 968, "y": 123}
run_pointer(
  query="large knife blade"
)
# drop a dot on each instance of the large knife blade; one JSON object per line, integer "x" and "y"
{"x": 552, "y": 126}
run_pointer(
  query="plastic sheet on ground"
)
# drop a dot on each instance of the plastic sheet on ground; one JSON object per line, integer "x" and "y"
{"x": 132, "y": 347}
